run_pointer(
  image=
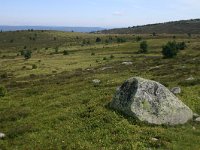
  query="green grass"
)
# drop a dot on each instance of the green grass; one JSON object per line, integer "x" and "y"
{"x": 56, "y": 105}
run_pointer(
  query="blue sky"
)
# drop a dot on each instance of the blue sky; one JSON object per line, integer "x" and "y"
{"x": 101, "y": 13}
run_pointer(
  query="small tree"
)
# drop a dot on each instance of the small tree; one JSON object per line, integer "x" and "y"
{"x": 98, "y": 39}
{"x": 27, "y": 54}
{"x": 170, "y": 50}
{"x": 143, "y": 47}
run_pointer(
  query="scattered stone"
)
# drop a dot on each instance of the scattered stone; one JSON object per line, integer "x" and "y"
{"x": 197, "y": 119}
{"x": 2, "y": 135}
{"x": 151, "y": 102}
{"x": 106, "y": 68}
{"x": 89, "y": 69}
{"x": 154, "y": 139}
{"x": 96, "y": 81}
{"x": 176, "y": 90}
{"x": 154, "y": 68}
{"x": 127, "y": 63}
{"x": 193, "y": 128}
{"x": 190, "y": 78}
{"x": 195, "y": 115}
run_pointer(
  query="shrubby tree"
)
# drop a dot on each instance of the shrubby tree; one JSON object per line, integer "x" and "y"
{"x": 143, "y": 47}
{"x": 98, "y": 39}
{"x": 170, "y": 50}
{"x": 27, "y": 54}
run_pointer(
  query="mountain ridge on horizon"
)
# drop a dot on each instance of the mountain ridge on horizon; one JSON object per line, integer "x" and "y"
{"x": 171, "y": 27}
{"x": 57, "y": 28}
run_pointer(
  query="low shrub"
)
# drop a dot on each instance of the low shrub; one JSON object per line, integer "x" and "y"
{"x": 65, "y": 52}
{"x": 34, "y": 66}
{"x": 3, "y": 91}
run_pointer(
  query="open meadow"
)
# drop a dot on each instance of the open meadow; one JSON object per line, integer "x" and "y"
{"x": 52, "y": 102}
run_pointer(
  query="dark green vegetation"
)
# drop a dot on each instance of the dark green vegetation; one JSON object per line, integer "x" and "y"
{"x": 51, "y": 102}
{"x": 171, "y": 49}
{"x": 143, "y": 47}
{"x": 177, "y": 27}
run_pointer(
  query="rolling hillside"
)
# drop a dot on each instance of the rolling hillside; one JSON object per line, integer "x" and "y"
{"x": 176, "y": 27}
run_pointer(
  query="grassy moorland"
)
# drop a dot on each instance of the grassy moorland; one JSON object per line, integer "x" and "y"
{"x": 55, "y": 105}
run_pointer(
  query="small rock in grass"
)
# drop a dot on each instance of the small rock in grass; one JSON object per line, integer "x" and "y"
{"x": 176, "y": 90}
{"x": 127, "y": 63}
{"x": 2, "y": 135}
{"x": 154, "y": 139}
{"x": 195, "y": 115}
{"x": 197, "y": 119}
{"x": 105, "y": 68}
{"x": 190, "y": 78}
{"x": 96, "y": 81}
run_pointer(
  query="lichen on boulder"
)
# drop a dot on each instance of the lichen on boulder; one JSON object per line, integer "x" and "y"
{"x": 151, "y": 102}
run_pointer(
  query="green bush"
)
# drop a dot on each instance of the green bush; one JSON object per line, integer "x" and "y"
{"x": 56, "y": 50}
{"x": 143, "y": 47}
{"x": 138, "y": 38}
{"x": 181, "y": 46}
{"x": 104, "y": 58}
{"x": 98, "y": 39}
{"x": 121, "y": 40}
{"x": 92, "y": 54}
{"x": 65, "y": 52}
{"x": 34, "y": 66}
{"x": 27, "y": 54}
{"x": 3, "y": 91}
{"x": 170, "y": 50}
{"x": 112, "y": 56}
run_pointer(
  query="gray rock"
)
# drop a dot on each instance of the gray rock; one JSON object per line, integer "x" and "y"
{"x": 96, "y": 81}
{"x": 195, "y": 115}
{"x": 127, "y": 63}
{"x": 151, "y": 102}
{"x": 154, "y": 139}
{"x": 106, "y": 68}
{"x": 197, "y": 119}
{"x": 2, "y": 135}
{"x": 176, "y": 90}
{"x": 190, "y": 78}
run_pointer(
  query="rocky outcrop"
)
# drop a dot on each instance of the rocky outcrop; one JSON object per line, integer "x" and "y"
{"x": 151, "y": 102}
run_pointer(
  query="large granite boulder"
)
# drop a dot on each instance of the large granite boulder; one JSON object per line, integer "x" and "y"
{"x": 151, "y": 102}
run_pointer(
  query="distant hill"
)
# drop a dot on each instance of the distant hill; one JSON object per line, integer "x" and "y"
{"x": 68, "y": 29}
{"x": 177, "y": 27}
